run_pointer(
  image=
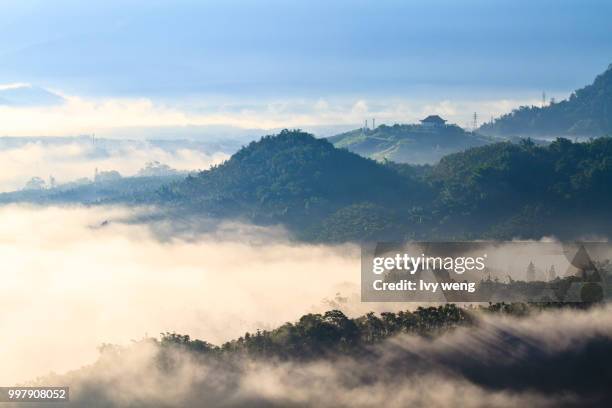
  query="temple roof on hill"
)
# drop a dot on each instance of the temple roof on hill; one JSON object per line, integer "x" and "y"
{"x": 433, "y": 119}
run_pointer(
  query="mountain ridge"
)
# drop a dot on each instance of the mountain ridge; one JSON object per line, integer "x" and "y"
{"x": 587, "y": 112}
{"x": 292, "y": 178}
{"x": 498, "y": 191}
{"x": 409, "y": 143}
{"x": 321, "y": 193}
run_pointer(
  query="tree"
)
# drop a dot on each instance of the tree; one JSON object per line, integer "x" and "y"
{"x": 35, "y": 183}
{"x": 105, "y": 176}
{"x": 552, "y": 274}
{"x": 156, "y": 169}
{"x": 530, "y": 275}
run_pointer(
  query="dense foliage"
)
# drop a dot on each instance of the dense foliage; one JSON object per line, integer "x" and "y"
{"x": 138, "y": 189}
{"x": 332, "y": 360}
{"x": 316, "y": 335}
{"x": 322, "y": 193}
{"x": 413, "y": 144}
{"x": 292, "y": 178}
{"x": 501, "y": 190}
{"x": 587, "y": 112}
{"x": 507, "y": 190}
{"x": 332, "y": 333}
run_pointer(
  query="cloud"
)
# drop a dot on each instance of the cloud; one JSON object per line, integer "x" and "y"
{"x": 26, "y": 95}
{"x": 69, "y": 159}
{"x": 547, "y": 359}
{"x": 80, "y": 115}
{"x": 14, "y": 85}
{"x": 75, "y": 285}
{"x": 70, "y": 287}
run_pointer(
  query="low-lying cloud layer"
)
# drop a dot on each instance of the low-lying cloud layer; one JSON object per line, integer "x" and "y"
{"x": 68, "y": 159}
{"x": 70, "y": 284}
{"x": 27, "y": 110}
{"x": 550, "y": 359}
{"x": 77, "y": 283}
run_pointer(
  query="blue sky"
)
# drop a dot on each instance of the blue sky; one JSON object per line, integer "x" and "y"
{"x": 295, "y": 60}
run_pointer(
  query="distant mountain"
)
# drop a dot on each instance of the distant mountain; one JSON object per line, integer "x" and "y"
{"x": 300, "y": 181}
{"x": 416, "y": 144}
{"x": 322, "y": 193}
{"x": 501, "y": 190}
{"x": 587, "y": 112}
{"x": 508, "y": 190}
{"x": 139, "y": 189}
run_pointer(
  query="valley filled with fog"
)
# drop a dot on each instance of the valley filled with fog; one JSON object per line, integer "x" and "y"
{"x": 61, "y": 160}
{"x": 86, "y": 290}
{"x": 306, "y": 204}
{"x": 72, "y": 282}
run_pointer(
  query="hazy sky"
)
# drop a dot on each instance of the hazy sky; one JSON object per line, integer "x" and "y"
{"x": 77, "y": 66}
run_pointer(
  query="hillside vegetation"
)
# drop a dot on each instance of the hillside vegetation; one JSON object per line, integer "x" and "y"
{"x": 322, "y": 193}
{"x": 502, "y": 190}
{"x": 413, "y": 144}
{"x": 295, "y": 179}
{"x": 502, "y": 351}
{"x": 135, "y": 190}
{"x": 526, "y": 190}
{"x": 587, "y": 112}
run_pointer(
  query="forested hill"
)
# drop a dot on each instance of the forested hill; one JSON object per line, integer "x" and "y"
{"x": 320, "y": 359}
{"x": 299, "y": 180}
{"x": 524, "y": 190}
{"x": 502, "y": 190}
{"x": 413, "y": 144}
{"x": 587, "y": 112}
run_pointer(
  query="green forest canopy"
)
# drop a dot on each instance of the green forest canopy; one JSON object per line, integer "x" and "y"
{"x": 500, "y": 190}
{"x": 587, "y": 112}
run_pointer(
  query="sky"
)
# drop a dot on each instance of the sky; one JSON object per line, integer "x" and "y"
{"x": 74, "y": 67}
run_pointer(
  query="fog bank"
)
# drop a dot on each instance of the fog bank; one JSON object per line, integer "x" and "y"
{"x": 70, "y": 284}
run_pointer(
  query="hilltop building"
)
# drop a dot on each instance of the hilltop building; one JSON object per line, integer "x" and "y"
{"x": 433, "y": 121}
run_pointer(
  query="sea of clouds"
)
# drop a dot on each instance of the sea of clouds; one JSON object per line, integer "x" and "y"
{"x": 70, "y": 159}
{"x": 550, "y": 359}
{"x": 72, "y": 282}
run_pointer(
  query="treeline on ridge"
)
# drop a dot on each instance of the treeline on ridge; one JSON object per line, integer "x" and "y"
{"x": 587, "y": 112}
{"x": 502, "y": 190}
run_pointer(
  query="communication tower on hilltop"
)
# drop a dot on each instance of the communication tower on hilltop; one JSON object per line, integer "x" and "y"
{"x": 475, "y": 122}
